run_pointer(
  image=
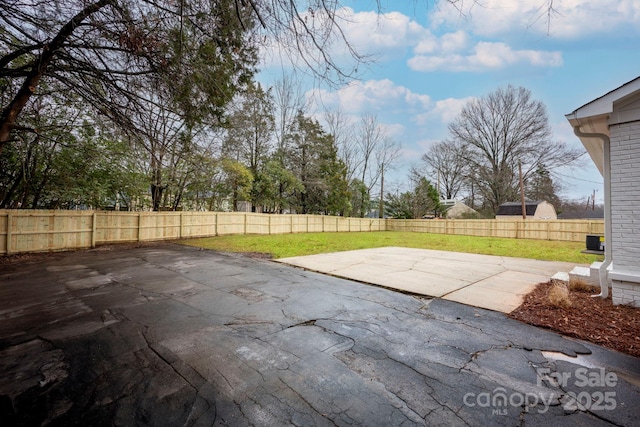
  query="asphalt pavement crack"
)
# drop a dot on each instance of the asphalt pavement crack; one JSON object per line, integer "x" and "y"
{"x": 473, "y": 356}
{"x": 309, "y": 404}
{"x": 190, "y": 419}
{"x": 161, "y": 357}
{"x": 456, "y": 413}
{"x": 311, "y": 322}
{"x": 357, "y": 324}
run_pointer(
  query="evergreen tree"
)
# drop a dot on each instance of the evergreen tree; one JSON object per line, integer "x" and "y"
{"x": 275, "y": 187}
{"x": 423, "y": 200}
{"x": 312, "y": 156}
{"x": 540, "y": 186}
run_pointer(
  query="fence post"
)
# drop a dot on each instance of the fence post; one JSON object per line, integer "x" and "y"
{"x": 215, "y": 228}
{"x": 548, "y": 233}
{"x": 139, "y": 226}
{"x": 181, "y": 225}
{"x": 9, "y": 221}
{"x": 93, "y": 229}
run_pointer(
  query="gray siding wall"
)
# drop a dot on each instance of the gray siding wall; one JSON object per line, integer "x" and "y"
{"x": 625, "y": 208}
{"x": 625, "y": 195}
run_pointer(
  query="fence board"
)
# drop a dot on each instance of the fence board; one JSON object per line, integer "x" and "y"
{"x": 33, "y": 231}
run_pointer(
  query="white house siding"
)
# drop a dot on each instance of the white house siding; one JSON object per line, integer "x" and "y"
{"x": 625, "y": 212}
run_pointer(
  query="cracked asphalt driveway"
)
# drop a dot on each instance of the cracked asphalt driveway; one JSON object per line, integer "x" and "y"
{"x": 172, "y": 335}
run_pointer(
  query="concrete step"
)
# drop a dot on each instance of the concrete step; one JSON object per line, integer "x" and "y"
{"x": 590, "y": 274}
{"x": 586, "y": 274}
{"x": 560, "y": 277}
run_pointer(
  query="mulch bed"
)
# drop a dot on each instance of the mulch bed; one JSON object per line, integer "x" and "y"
{"x": 590, "y": 319}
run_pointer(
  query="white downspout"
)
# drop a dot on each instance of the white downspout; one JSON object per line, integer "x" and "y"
{"x": 608, "y": 252}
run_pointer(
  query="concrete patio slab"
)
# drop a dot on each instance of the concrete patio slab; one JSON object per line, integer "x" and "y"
{"x": 485, "y": 281}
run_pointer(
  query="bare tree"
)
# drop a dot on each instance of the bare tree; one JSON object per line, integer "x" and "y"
{"x": 343, "y": 131}
{"x": 164, "y": 136}
{"x": 498, "y": 131}
{"x": 386, "y": 154}
{"x": 376, "y": 151}
{"x": 447, "y": 166}
{"x": 288, "y": 101}
{"x": 370, "y": 136}
{"x": 373, "y": 153}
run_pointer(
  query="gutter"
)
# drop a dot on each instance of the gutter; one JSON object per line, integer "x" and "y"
{"x": 608, "y": 244}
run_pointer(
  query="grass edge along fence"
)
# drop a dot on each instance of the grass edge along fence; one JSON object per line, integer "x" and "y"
{"x": 23, "y": 231}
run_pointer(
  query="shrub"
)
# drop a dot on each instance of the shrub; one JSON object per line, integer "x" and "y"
{"x": 559, "y": 295}
{"x": 580, "y": 285}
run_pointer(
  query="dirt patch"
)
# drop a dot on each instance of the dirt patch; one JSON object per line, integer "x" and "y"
{"x": 259, "y": 255}
{"x": 595, "y": 320}
{"x": 29, "y": 257}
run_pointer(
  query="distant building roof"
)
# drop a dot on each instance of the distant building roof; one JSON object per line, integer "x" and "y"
{"x": 597, "y": 213}
{"x": 515, "y": 208}
{"x": 455, "y": 209}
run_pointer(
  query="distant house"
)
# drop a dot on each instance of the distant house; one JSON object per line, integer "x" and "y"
{"x": 454, "y": 209}
{"x": 609, "y": 129}
{"x": 534, "y": 210}
{"x": 597, "y": 213}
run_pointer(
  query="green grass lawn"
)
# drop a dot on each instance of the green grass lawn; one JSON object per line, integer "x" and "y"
{"x": 287, "y": 245}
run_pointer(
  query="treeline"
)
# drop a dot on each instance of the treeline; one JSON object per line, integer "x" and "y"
{"x": 263, "y": 154}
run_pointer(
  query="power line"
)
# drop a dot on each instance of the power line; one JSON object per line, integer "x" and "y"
{"x": 578, "y": 179}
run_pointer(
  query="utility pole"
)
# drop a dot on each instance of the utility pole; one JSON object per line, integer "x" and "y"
{"x": 381, "y": 207}
{"x": 524, "y": 205}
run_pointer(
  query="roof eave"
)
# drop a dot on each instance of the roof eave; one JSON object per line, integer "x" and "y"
{"x": 593, "y": 125}
{"x": 593, "y": 118}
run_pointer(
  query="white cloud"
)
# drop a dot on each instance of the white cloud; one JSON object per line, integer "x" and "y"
{"x": 394, "y": 130}
{"x": 371, "y": 96}
{"x": 387, "y": 99}
{"x": 454, "y": 41}
{"x": 484, "y": 56}
{"x": 384, "y": 35}
{"x": 443, "y": 111}
{"x": 569, "y": 19}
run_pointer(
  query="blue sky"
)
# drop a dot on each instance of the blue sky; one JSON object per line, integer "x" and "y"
{"x": 433, "y": 57}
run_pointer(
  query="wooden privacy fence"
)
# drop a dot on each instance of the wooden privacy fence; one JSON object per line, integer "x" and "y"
{"x": 564, "y": 230}
{"x": 36, "y": 231}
